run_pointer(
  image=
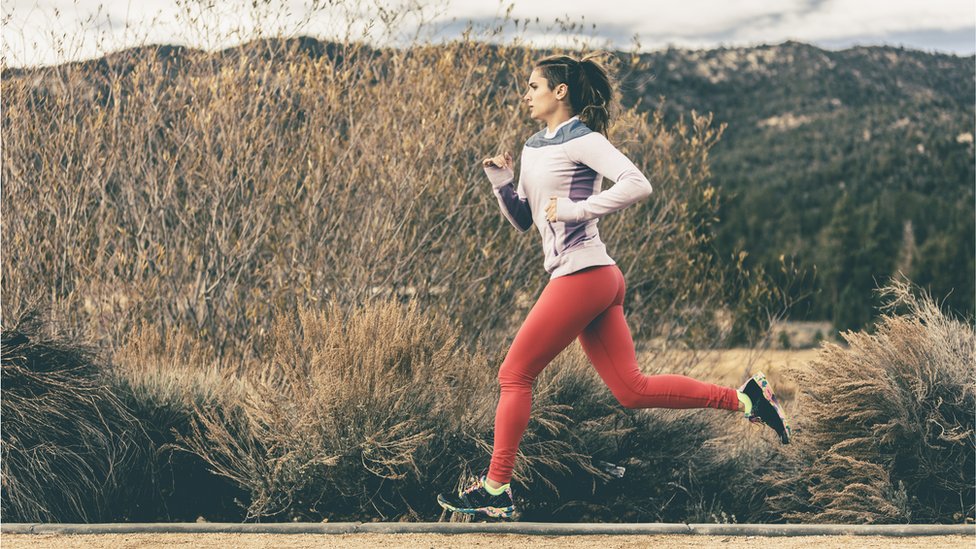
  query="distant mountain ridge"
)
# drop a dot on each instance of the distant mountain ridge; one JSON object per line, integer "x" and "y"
{"x": 857, "y": 161}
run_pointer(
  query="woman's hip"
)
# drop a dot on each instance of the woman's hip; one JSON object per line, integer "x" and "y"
{"x": 598, "y": 285}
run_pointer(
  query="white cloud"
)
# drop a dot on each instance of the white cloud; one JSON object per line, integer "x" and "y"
{"x": 31, "y": 33}
{"x": 838, "y": 19}
{"x": 689, "y": 17}
{"x": 707, "y": 23}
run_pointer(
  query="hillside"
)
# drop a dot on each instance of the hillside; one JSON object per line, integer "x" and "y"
{"x": 856, "y": 163}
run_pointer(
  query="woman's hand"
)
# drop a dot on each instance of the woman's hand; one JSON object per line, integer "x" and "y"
{"x": 500, "y": 161}
{"x": 499, "y": 170}
{"x": 551, "y": 209}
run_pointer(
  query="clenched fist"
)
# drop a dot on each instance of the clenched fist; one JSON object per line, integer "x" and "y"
{"x": 500, "y": 161}
{"x": 499, "y": 170}
{"x": 551, "y": 209}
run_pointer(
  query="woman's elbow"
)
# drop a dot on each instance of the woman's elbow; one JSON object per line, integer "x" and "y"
{"x": 641, "y": 185}
{"x": 646, "y": 189}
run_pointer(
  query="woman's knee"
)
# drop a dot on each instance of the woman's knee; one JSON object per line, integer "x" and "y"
{"x": 628, "y": 400}
{"x": 514, "y": 374}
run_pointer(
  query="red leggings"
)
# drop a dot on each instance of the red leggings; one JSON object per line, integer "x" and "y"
{"x": 587, "y": 304}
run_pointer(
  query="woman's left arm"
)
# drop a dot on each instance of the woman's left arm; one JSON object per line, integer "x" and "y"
{"x": 630, "y": 186}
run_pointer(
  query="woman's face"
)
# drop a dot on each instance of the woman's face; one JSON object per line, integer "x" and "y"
{"x": 542, "y": 101}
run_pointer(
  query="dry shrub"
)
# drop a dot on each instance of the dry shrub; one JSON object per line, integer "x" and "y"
{"x": 163, "y": 379}
{"x": 358, "y": 414}
{"x": 68, "y": 442}
{"x": 887, "y": 427}
{"x": 369, "y": 411}
{"x": 350, "y": 414}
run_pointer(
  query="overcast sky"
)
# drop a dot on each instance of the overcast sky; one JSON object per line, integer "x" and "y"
{"x": 51, "y": 31}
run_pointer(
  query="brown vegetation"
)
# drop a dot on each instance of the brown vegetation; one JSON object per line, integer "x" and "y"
{"x": 886, "y": 422}
{"x": 300, "y": 289}
{"x": 66, "y": 436}
{"x": 363, "y": 413}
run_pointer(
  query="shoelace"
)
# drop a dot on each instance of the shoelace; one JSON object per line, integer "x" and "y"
{"x": 473, "y": 487}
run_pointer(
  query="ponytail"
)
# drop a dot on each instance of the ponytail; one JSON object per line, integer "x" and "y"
{"x": 590, "y": 87}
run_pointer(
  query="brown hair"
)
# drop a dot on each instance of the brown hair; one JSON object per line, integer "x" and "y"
{"x": 590, "y": 87}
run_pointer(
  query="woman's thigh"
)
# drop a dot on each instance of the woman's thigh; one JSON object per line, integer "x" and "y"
{"x": 566, "y": 306}
{"x": 608, "y": 343}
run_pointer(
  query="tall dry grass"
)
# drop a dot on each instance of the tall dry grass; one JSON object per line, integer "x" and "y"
{"x": 163, "y": 380}
{"x": 354, "y": 415}
{"x": 887, "y": 432}
{"x": 209, "y": 191}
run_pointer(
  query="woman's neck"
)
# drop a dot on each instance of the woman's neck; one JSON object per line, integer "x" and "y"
{"x": 558, "y": 120}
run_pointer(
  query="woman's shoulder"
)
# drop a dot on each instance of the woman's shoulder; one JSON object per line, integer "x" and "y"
{"x": 535, "y": 139}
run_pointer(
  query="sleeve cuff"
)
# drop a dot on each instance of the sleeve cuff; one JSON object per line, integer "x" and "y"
{"x": 567, "y": 211}
{"x": 499, "y": 177}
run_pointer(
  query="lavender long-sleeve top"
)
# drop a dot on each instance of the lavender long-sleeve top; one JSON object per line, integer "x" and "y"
{"x": 570, "y": 164}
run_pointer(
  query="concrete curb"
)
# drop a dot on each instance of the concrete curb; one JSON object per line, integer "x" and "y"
{"x": 524, "y": 528}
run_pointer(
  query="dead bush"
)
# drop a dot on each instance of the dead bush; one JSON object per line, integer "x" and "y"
{"x": 886, "y": 432}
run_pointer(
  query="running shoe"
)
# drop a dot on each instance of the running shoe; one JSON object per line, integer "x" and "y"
{"x": 765, "y": 409}
{"x": 476, "y": 501}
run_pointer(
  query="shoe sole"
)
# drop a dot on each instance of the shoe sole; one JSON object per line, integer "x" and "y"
{"x": 763, "y": 383}
{"x": 492, "y": 512}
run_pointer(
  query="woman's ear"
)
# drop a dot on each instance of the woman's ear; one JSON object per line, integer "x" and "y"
{"x": 561, "y": 93}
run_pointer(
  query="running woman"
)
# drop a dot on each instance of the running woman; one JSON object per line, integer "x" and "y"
{"x": 559, "y": 192}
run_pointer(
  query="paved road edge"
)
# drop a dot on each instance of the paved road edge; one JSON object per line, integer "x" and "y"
{"x": 524, "y": 528}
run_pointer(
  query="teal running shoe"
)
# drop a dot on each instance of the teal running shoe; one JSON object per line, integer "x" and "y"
{"x": 476, "y": 501}
{"x": 765, "y": 408}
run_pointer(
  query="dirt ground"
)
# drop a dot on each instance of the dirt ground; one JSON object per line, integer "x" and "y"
{"x": 493, "y": 541}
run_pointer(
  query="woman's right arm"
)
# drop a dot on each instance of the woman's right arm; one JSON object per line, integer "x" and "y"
{"x": 514, "y": 206}
{"x": 630, "y": 185}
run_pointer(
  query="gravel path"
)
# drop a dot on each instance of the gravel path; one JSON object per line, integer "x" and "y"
{"x": 492, "y": 541}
